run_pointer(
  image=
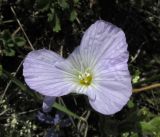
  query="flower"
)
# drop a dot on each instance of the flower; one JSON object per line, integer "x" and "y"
{"x": 97, "y": 68}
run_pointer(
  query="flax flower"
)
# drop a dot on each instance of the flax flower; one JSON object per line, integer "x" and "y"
{"x": 97, "y": 68}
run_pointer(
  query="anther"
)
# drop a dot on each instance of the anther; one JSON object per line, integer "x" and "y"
{"x": 85, "y": 78}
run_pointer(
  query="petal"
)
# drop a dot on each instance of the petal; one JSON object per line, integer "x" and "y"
{"x": 71, "y": 68}
{"x": 104, "y": 49}
{"x": 47, "y": 103}
{"x": 103, "y": 41}
{"x": 115, "y": 73}
{"x": 86, "y": 90}
{"x": 74, "y": 63}
{"x": 91, "y": 95}
{"x": 111, "y": 96}
{"x": 42, "y": 76}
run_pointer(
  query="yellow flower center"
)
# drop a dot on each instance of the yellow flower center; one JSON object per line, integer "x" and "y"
{"x": 85, "y": 78}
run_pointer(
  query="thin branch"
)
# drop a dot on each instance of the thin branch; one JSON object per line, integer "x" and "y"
{"x": 137, "y": 54}
{"x": 82, "y": 126}
{"x": 153, "y": 86}
{"x": 7, "y": 21}
{"x": 26, "y": 112}
{"x": 20, "y": 25}
{"x": 3, "y": 112}
{"x": 16, "y": 31}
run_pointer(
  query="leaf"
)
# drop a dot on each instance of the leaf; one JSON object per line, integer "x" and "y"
{"x": 67, "y": 111}
{"x": 136, "y": 76}
{"x": 14, "y": 80}
{"x": 156, "y": 122}
{"x": 147, "y": 128}
{"x": 9, "y": 52}
{"x": 73, "y": 15}
{"x": 63, "y": 4}
{"x": 151, "y": 127}
{"x": 10, "y": 43}
{"x": 57, "y": 26}
{"x": 130, "y": 104}
{"x": 50, "y": 17}
{"x": 20, "y": 41}
{"x": 6, "y": 35}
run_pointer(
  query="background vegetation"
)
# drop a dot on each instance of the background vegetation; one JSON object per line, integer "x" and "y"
{"x": 58, "y": 25}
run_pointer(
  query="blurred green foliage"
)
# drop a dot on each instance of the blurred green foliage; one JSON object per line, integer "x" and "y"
{"x": 10, "y": 43}
{"x": 58, "y": 25}
{"x": 151, "y": 127}
{"x": 55, "y": 10}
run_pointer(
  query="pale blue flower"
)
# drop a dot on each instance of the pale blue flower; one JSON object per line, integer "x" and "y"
{"x": 97, "y": 68}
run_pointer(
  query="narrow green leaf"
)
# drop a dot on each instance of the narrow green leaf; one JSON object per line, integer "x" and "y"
{"x": 14, "y": 80}
{"x": 67, "y": 111}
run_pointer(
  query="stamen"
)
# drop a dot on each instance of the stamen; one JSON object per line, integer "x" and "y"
{"x": 80, "y": 77}
{"x": 85, "y": 78}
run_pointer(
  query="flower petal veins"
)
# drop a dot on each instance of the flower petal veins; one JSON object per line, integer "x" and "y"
{"x": 97, "y": 68}
{"x": 103, "y": 51}
{"x": 40, "y": 73}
